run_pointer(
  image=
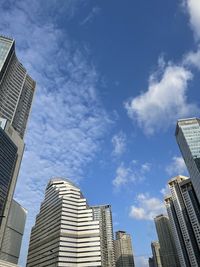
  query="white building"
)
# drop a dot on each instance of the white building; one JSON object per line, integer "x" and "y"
{"x": 65, "y": 233}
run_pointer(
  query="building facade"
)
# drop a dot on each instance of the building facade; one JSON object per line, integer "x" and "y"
{"x": 188, "y": 138}
{"x": 183, "y": 209}
{"x": 155, "y": 247}
{"x": 65, "y": 232}
{"x": 123, "y": 250}
{"x": 12, "y": 239}
{"x": 103, "y": 214}
{"x": 168, "y": 252}
{"x": 11, "y": 151}
{"x": 16, "y": 87}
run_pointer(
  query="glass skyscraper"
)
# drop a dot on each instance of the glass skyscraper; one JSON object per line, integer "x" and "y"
{"x": 188, "y": 139}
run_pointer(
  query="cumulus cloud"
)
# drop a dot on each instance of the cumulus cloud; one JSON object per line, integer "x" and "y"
{"x": 176, "y": 167}
{"x": 164, "y": 101}
{"x": 119, "y": 143}
{"x": 193, "y": 8}
{"x": 146, "y": 207}
{"x": 165, "y": 190}
{"x": 133, "y": 172}
{"x": 67, "y": 121}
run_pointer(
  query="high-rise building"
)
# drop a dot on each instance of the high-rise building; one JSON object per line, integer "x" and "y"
{"x": 123, "y": 250}
{"x": 103, "y": 214}
{"x": 11, "y": 151}
{"x": 188, "y": 139}
{"x": 16, "y": 87}
{"x": 155, "y": 247}
{"x": 183, "y": 209}
{"x": 151, "y": 262}
{"x": 12, "y": 239}
{"x": 168, "y": 252}
{"x": 65, "y": 232}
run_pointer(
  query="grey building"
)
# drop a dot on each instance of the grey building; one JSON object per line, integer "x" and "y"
{"x": 188, "y": 138}
{"x": 65, "y": 232}
{"x": 155, "y": 247}
{"x": 103, "y": 214}
{"x": 16, "y": 87}
{"x": 11, "y": 151}
{"x": 12, "y": 239}
{"x": 168, "y": 251}
{"x": 183, "y": 209}
{"x": 7, "y": 264}
{"x": 151, "y": 262}
{"x": 123, "y": 250}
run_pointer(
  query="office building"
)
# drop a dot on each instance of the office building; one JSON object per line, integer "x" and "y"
{"x": 151, "y": 262}
{"x": 65, "y": 232}
{"x": 123, "y": 250}
{"x": 12, "y": 239}
{"x": 155, "y": 247}
{"x": 183, "y": 210}
{"x": 16, "y": 87}
{"x": 7, "y": 264}
{"x": 11, "y": 151}
{"x": 168, "y": 252}
{"x": 188, "y": 138}
{"x": 103, "y": 214}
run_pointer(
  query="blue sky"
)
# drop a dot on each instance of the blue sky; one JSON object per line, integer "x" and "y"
{"x": 112, "y": 79}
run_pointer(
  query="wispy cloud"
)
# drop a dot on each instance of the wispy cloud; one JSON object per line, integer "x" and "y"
{"x": 119, "y": 143}
{"x": 177, "y": 166}
{"x": 94, "y": 12}
{"x": 164, "y": 101}
{"x": 67, "y": 121}
{"x": 133, "y": 172}
{"x": 146, "y": 207}
{"x": 141, "y": 261}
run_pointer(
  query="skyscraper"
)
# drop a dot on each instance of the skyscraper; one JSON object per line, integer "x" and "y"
{"x": 168, "y": 252}
{"x": 11, "y": 151}
{"x": 183, "y": 209}
{"x": 155, "y": 247}
{"x": 123, "y": 250}
{"x": 16, "y": 87}
{"x": 103, "y": 214}
{"x": 16, "y": 94}
{"x": 188, "y": 138}
{"x": 65, "y": 232}
{"x": 11, "y": 243}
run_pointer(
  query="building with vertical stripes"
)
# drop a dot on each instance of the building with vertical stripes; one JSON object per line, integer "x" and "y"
{"x": 16, "y": 87}
{"x": 188, "y": 138}
{"x": 65, "y": 232}
{"x": 168, "y": 253}
{"x": 183, "y": 209}
{"x": 103, "y": 214}
{"x": 155, "y": 247}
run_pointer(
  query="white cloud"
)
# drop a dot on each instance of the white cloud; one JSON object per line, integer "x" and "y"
{"x": 94, "y": 12}
{"x": 193, "y": 8}
{"x": 141, "y": 261}
{"x": 192, "y": 59}
{"x": 165, "y": 100}
{"x": 165, "y": 190}
{"x": 177, "y": 166}
{"x": 146, "y": 208}
{"x": 134, "y": 172}
{"x": 119, "y": 143}
{"x": 67, "y": 121}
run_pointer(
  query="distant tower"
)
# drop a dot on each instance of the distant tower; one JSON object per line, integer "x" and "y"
{"x": 123, "y": 250}
{"x": 188, "y": 139}
{"x": 16, "y": 87}
{"x": 103, "y": 214}
{"x": 167, "y": 247}
{"x": 65, "y": 233}
{"x": 184, "y": 214}
{"x": 155, "y": 247}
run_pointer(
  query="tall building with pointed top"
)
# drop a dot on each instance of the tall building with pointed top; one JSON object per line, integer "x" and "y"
{"x": 188, "y": 138}
{"x": 155, "y": 247}
{"x": 16, "y": 87}
{"x": 65, "y": 232}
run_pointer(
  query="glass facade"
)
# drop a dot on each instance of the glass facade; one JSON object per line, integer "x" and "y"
{"x": 5, "y": 46}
